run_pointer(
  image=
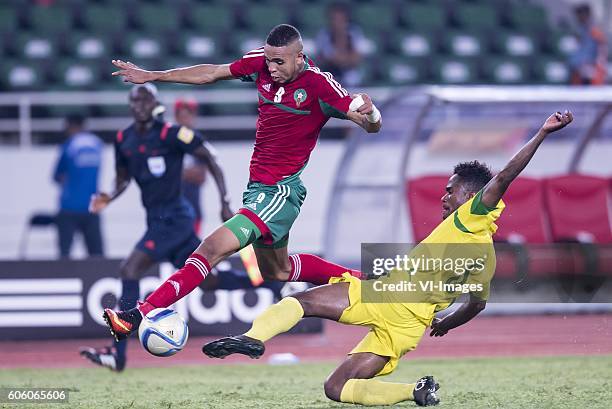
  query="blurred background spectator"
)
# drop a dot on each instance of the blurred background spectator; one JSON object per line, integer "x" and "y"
{"x": 338, "y": 46}
{"x": 194, "y": 172}
{"x": 588, "y": 63}
{"x": 77, "y": 172}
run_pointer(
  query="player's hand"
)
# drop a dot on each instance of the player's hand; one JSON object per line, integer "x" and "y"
{"x": 557, "y": 121}
{"x": 98, "y": 202}
{"x": 226, "y": 212}
{"x": 437, "y": 328}
{"x": 132, "y": 73}
{"x": 366, "y": 107}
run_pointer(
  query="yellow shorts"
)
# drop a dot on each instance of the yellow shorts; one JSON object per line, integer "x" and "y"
{"x": 394, "y": 328}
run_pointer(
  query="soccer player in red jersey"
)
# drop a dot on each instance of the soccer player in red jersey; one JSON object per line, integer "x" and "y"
{"x": 295, "y": 100}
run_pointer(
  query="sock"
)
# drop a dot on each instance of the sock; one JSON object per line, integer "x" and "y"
{"x": 373, "y": 392}
{"x": 178, "y": 285}
{"x": 130, "y": 291}
{"x": 315, "y": 270}
{"x": 276, "y": 319}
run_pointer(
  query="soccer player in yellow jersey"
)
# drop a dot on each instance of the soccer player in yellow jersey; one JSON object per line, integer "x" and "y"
{"x": 471, "y": 205}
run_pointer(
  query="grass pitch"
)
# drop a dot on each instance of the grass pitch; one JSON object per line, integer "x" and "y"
{"x": 551, "y": 382}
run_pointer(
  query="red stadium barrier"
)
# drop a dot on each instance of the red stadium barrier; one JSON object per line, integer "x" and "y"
{"x": 524, "y": 219}
{"x": 578, "y": 208}
{"x": 424, "y": 204}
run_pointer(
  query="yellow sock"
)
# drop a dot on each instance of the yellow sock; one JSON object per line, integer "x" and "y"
{"x": 373, "y": 392}
{"x": 276, "y": 319}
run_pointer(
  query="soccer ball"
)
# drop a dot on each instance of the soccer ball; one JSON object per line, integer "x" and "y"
{"x": 163, "y": 332}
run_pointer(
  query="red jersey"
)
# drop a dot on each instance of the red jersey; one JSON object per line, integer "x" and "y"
{"x": 291, "y": 115}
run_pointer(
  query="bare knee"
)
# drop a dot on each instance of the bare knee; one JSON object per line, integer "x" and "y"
{"x": 333, "y": 387}
{"x": 276, "y": 273}
{"x": 211, "y": 251}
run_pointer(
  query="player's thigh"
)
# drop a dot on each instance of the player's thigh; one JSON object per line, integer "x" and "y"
{"x": 218, "y": 245}
{"x": 135, "y": 265}
{"x": 273, "y": 263}
{"x": 326, "y": 301}
{"x": 363, "y": 365}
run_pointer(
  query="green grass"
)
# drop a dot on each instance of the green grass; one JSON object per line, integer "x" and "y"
{"x": 553, "y": 382}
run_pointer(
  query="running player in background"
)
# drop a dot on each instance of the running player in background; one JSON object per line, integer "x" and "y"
{"x": 151, "y": 152}
{"x": 194, "y": 171}
{"x": 295, "y": 100}
{"x": 471, "y": 205}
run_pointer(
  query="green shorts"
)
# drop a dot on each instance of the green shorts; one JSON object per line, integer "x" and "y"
{"x": 273, "y": 209}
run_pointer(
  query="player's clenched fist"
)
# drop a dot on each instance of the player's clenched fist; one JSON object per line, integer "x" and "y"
{"x": 98, "y": 202}
{"x": 557, "y": 121}
{"x": 133, "y": 73}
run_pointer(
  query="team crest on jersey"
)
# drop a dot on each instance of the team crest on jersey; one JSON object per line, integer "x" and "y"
{"x": 299, "y": 96}
{"x": 267, "y": 87}
{"x": 185, "y": 135}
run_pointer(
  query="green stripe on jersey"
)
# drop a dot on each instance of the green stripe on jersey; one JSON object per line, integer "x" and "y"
{"x": 283, "y": 107}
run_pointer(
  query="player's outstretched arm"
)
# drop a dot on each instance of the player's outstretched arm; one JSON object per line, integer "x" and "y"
{"x": 206, "y": 154}
{"x": 495, "y": 189}
{"x": 463, "y": 314}
{"x": 196, "y": 74}
{"x": 100, "y": 200}
{"x": 364, "y": 113}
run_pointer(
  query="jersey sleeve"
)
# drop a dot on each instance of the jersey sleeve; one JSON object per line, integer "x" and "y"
{"x": 333, "y": 99}
{"x": 185, "y": 139}
{"x": 474, "y": 216}
{"x": 249, "y": 66}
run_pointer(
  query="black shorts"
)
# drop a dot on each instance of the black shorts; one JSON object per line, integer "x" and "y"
{"x": 170, "y": 235}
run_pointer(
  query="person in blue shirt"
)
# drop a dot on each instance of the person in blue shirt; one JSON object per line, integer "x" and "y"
{"x": 151, "y": 152}
{"x": 77, "y": 174}
{"x": 588, "y": 64}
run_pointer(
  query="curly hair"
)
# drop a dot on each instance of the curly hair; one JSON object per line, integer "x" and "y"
{"x": 474, "y": 175}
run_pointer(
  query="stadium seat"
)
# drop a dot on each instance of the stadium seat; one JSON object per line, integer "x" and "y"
{"x": 104, "y": 20}
{"x": 414, "y": 44}
{"x": 21, "y": 75}
{"x": 31, "y": 46}
{"x": 424, "y": 204}
{"x": 578, "y": 208}
{"x": 262, "y": 17}
{"x": 154, "y": 18}
{"x": 516, "y": 44}
{"x": 454, "y": 70}
{"x": 551, "y": 71}
{"x": 506, "y": 71}
{"x": 89, "y": 46}
{"x": 423, "y": 17}
{"x": 145, "y": 46}
{"x": 404, "y": 70}
{"x": 77, "y": 74}
{"x": 312, "y": 17}
{"x": 210, "y": 19}
{"x": 527, "y": 17}
{"x": 195, "y": 45}
{"x": 385, "y": 17}
{"x": 476, "y": 16}
{"x": 50, "y": 19}
{"x": 8, "y": 20}
{"x": 464, "y": 44}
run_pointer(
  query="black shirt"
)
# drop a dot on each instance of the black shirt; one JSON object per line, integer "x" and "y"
{"x": 155, "y": 160}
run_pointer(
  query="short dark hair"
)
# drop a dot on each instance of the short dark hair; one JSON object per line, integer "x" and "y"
{"x": 75, "y": 119}
{"x": 474, "y": 175}
{"x": 283, "y": 34}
